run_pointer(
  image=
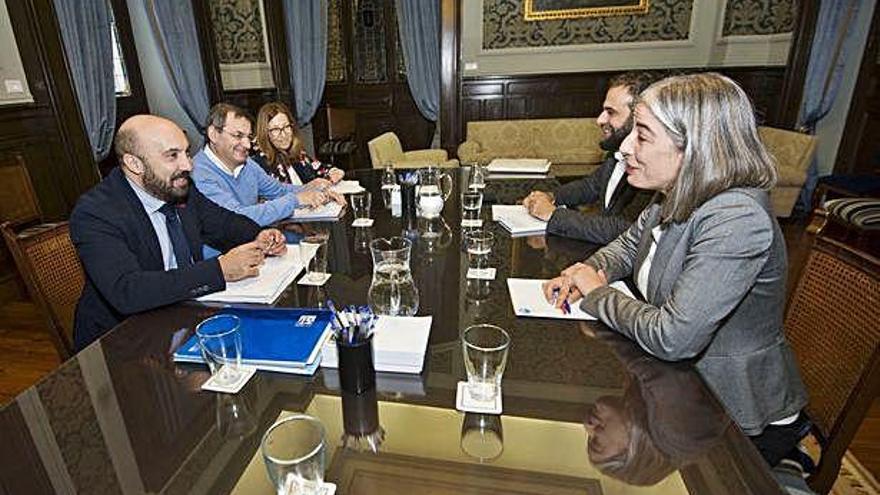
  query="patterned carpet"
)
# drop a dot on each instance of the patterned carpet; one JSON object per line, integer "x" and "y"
{"x": 854, "y": 479}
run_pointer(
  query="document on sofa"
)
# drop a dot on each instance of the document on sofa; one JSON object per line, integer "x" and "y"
{"x": 519, "y": 165}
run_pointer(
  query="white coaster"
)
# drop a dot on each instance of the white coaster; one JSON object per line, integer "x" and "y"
{"x": 317, "y": 282}
{"x": 476, "y": 222}
{"x": 362, "y": 222}
{"x": 477, "y": 186}
{"x": 481, "y": 273}
{"x": 464, "y": 402}
{"x": 327, "y": 488}
{"x": 245, "y": 374}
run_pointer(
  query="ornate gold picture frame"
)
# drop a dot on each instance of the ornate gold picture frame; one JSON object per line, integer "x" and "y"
{"x": 543, "y": 10}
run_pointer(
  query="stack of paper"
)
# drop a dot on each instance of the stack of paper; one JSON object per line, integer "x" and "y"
{"x": 527, "y": 297}
{"x": 287, "y": 340}
{"x": 517, "y": 220}
{"x": 276, "y": 273}
{"x": 399, "y": 344}
{"x": 519, "y": 165}
{"x": 347, "y": 187}
{"x": 325, "y": 213}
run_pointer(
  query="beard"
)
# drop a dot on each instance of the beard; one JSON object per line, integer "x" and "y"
{"x": 615, "y": 139}
{"x": 163, "y": 189}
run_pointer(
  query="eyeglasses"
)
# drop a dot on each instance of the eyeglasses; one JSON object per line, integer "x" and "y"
{"x": 278, "y": 131}
{"x": 238, "y": 136}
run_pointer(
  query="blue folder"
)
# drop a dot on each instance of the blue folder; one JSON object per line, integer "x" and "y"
{"x": 275, "y": 339}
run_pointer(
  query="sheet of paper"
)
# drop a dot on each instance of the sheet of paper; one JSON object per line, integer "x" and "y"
{"x": 516, "y": 219}
{"x": 347, "y": 187}
{"x": 275, "y": 275}
{"x": 528, "y": 299}
{"x": 327, "y": 212}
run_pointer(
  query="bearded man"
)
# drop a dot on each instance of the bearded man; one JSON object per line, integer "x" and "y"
{"x": 620, "y": 203}
{"x": 140, "y": 232}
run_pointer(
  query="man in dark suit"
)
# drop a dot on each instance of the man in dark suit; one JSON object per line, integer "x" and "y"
{"x": 620, "y": 203}
{"x": 140, "y": 232}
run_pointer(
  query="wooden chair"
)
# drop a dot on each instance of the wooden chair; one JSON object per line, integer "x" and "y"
{"x": 18, "y": 201}
{"x": 52, "y": 273}
{"x": 832, "y": 325}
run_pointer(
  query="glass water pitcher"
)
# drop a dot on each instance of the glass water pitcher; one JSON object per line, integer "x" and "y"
{"x": 434, "y": 189}
{"x": 392, "y": 291}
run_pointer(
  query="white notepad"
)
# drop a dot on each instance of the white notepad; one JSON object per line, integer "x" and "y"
{"x": 347, "y": 187}
{"x": 326, "y": 213}
{"x": 399, "y": 344}
{"x": 517, "y": 220}
{"x": 528, "y": 299}
{"x": 276, "y": 273}
{"x": 519, "y": 165}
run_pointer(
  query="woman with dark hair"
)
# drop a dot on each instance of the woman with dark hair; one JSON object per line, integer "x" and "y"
{"x": 707, "y": 256}
{"x": 281, "y": 153}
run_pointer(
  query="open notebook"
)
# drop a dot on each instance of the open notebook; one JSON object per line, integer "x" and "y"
{"x": 325, "y": 213}
{"x": 276, "y": 273}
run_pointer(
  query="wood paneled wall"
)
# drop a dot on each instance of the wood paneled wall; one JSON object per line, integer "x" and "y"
{"x": 581, "y": 95}
{"x": 47, "y": 133}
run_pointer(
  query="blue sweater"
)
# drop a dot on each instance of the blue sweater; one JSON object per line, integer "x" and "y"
{"x": 242, "y": 194}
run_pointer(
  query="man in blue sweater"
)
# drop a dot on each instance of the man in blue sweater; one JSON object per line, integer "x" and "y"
{"x": 225, "y": 174}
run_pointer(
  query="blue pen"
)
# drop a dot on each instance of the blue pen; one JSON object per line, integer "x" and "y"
{"x": 566, "y": 308}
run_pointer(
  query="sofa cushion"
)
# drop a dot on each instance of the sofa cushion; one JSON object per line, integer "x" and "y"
{"x": 570, "y": 140}
{"x": 792, "y": 151}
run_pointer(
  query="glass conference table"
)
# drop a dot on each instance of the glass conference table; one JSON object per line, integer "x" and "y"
{"x": 122, "y": 417}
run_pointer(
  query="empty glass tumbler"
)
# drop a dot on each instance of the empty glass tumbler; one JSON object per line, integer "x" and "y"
{"x": 220, "y": 342}
{"x": 485, "y": 357}
{"x": 294, "y": 452}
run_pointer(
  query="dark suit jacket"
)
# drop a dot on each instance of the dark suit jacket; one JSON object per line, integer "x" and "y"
{"x": 625, "y": 205}
{"x": 120, "y": 252}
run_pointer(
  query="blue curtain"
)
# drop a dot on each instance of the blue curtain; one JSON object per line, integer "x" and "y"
{"x": 419, "y": 25}
{"x": 175, "y": 30}
{"x": 305, "y": 23}
{"x": 832, "y": 42}
{"x": 85, "y": 29}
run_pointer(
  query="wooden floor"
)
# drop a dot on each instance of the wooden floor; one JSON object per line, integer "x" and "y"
{"x": 27, "y": 354}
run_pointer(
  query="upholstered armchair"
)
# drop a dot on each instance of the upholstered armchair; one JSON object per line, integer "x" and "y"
{"x": 793, "y": 152}
{"x": 387, "y": 149}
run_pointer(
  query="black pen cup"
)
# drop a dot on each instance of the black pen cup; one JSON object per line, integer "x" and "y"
{"x": 356, "y": 371}
{"x": 360, "y": 412}
{"x": 408, "y": 205}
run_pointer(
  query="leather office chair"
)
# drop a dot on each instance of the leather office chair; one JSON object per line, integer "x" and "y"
{"x": 387, "y": 149}
{"x": 832, "y": 325}
{"x": 52, "y": 272}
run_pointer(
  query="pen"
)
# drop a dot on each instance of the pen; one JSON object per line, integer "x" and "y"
{"x": 566, "y": 308}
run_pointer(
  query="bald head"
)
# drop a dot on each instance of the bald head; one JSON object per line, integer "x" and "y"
{"x": 153, "y": 154}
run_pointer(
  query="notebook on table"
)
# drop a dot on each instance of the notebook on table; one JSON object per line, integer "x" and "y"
{"x": 328, "y": 212}
{"x": 276, "y": 273}
{"x": 287, "y": 340}
{"x": 527, "y": 298}
{"x": 519, "y": 165}
{"x": 517, "y": 220}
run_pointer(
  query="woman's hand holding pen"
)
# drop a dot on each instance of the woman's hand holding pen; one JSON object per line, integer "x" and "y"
{"x": 272, "y": 242}
{"x": 574, "y": 283}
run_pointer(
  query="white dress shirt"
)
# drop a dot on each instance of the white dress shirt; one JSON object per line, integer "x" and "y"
{"x": 157, "y": 218}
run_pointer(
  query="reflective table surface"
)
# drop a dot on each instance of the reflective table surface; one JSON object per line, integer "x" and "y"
{"x": 585, "y": 411}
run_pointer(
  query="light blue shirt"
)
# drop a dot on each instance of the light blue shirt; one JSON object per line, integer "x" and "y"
{"x": 242, "y": 190}
{"x": 157, "y": 218}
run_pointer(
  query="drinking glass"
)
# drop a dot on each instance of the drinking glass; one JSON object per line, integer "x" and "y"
{"x": 477, "y": 177}
{"x": 220, "y": 342}
{"x": 360, "y": 205}
{"x": 471, "y": 204}
{"x": 478, "y": 244}
{"x": 482, "y": 436}
{"x": 317, "y": 265}
{"x": 389, "y": 182}
{"x": 293, "y": 450}
{"x": 485, "y": 356}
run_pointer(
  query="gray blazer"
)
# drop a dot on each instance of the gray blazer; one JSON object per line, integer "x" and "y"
{"x": 603, "y": 227}
{"x": 716, "y": 295}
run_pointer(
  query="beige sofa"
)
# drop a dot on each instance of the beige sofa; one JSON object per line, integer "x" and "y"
{"x": 562, "y": 141}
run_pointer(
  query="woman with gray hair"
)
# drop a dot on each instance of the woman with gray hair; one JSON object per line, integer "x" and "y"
{"x": 707, "y": 256}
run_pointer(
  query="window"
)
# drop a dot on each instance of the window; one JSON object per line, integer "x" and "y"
{"x": 120, "y": 75}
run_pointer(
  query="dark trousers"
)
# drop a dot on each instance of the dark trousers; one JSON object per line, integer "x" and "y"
{"x": 778, "y": 442}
